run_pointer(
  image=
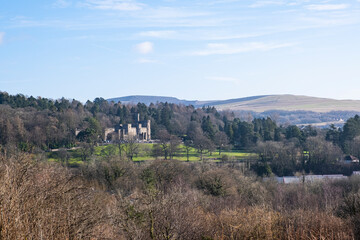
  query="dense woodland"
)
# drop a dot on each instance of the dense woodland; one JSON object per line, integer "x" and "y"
{"x": 115, "y": 198}
{"x": 34, "y": 125}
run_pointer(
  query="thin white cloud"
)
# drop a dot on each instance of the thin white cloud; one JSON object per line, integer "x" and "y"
{"x": 146, "y": 60}
{"x": 174, "y": 13}
{"x": 200, "y": 34}
{"x": 61, "y": 4}
{"x": 226, "y": 35}
{"x": 224, "y": 79}
{"x": 227, "y": 49}
{"x": 150, "y": 17}
{"x": 321, "y": 22}
{"x": 327, "y": 7}
{"x": 144, "y": 47}
{"x": 266, "y": 3}
{"x": 158, "y": 34}
{"x": 121, "y": 5}
{"x": 2, "y": 34}
{"x": 107, "y": 48}
{"x": 222, "y": 2}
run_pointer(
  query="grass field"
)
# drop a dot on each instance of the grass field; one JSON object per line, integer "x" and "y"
{"x": 289, "y": 103}
{"x": 144, "y": 154}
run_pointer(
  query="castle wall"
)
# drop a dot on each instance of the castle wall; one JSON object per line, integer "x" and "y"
{"x": 128, "y": 132}
{"x": 107, "y": 132}
{"x": 140, "y": 131}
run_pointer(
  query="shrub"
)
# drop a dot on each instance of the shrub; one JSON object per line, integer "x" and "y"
{"x": 43, "y": 201}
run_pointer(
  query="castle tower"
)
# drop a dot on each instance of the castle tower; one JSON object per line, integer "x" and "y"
{"x": 148, "y": 130}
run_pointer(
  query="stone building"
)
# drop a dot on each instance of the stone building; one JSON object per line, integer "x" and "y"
{"x": 141, "y": 130}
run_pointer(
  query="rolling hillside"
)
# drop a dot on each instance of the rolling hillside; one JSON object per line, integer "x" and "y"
{"x": 258, "y": 103}
{"x": 150, "y": 99}
{"x": 289, "y": 103}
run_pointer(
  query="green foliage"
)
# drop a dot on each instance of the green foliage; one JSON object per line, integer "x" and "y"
{"x": 212, "y": 184}
{"x": 333, "y": 135}
{"x": 244, "y": 135}
{"x": 92, "y": 133}
{"x": 165, "y": 116}
{"x": 108, "y": 151}
{"x": 351, "y": 128}
{"x": 20, "y": 101}
{"x": 294, "y": 132}
{"x": 148, "y": 177}
{"x": 208, "y": 127}
{"x": 263, "y": 169}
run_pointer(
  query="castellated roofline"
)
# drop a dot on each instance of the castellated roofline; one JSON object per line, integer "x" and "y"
{"x": 141, "y": 130}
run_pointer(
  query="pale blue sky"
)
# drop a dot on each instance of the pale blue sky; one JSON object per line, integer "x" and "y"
{"x": 215, "y": 49}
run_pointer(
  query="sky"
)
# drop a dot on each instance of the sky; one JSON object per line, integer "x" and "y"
{"x": 189, "y": 49}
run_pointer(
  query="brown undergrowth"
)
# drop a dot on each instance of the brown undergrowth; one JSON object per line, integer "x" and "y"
{"x": 166, "y": 200}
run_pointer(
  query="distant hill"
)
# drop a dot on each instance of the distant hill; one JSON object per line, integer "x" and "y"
{"x": 289, "y": 103}
{"x": 257, "y": 103}
{"x": 150, "y": 99}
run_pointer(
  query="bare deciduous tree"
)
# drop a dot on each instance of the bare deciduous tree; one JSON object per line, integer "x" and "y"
{"x": 131, "y": 147}
{"x": 39, "y": 201}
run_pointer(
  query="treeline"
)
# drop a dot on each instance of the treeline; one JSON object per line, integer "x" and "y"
{"x": 310, "y": 150}
{"x": 167, "y": 200}
{"x": 44, "y": 123}
{"x": 29, "y": 123}
{"x": 301, "y": 117}
{"x": 36, "y": 124}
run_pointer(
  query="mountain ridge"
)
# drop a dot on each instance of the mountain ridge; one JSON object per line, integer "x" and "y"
{"x": 261, "y": 103}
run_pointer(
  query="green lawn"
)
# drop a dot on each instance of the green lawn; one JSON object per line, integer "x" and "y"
{"x": 144, "y": 154}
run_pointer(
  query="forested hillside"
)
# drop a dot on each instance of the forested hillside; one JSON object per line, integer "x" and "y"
{"x": 285, "y": 109}
{"x": 36, "y": 124}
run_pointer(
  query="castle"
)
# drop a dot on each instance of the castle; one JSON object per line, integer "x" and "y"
{"x": 139, "y": 131}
